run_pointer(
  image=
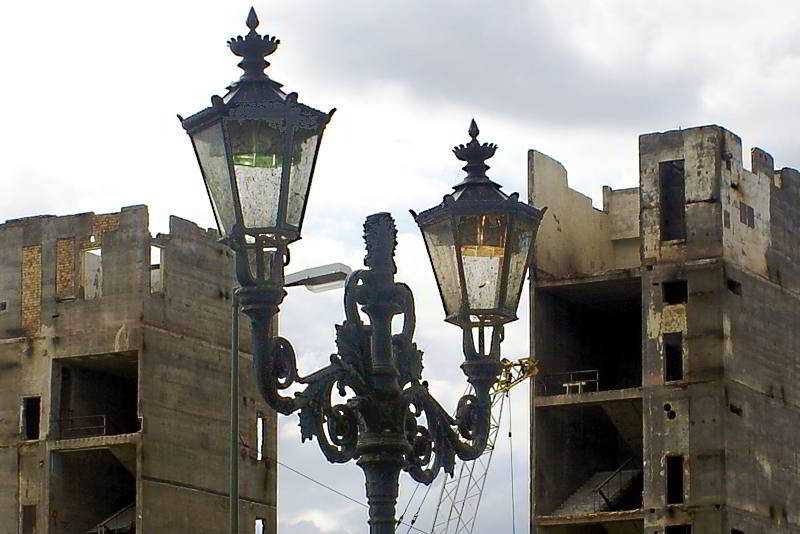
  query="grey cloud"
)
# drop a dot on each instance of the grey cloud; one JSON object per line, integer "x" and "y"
{"x": 506, "y": 58}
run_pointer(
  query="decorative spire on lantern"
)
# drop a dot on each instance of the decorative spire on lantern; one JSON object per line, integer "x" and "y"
{"x": 475, "y": 153}
{"x": 253, "y": 48}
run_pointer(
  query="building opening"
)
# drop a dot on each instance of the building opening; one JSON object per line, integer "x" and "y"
{"x": 674, "y": 471}
{"x": 591, "y": 336}
{"x": 92, "y": 273}
{"x": 94, "y": 491}
{"x": 672, "y": 199}
{"x": 601, "y": 469}
{"x": 31, "y": 417}
{"x": 678, "y": 529}
{"x": 96, "y": 396}
{"x": 156, "y": 270}
{"x": 673, "y": 356}
{"x": 28, "y": 518}
{"x": 261, "y": 428}
{"x": 675, "y": 292}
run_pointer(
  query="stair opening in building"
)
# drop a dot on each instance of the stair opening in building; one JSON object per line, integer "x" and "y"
{"x": 95, "y": 396}
{"x": 92, "y": 491}
{"x": 588, "y": 336}
{"x": 599, "y": 447}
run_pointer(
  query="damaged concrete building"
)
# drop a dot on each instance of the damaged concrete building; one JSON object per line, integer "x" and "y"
{"x": 114, "y": 381}
{"x": 667, "y": 327}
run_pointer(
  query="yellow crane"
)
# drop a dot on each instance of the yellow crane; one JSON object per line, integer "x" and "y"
{"x": 460, "y": 496}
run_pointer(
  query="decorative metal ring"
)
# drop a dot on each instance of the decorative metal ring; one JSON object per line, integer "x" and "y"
{"x": 284, "y": 363}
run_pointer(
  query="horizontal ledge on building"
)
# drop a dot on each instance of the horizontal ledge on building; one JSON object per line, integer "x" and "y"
{"x": 588, "y": 397}
{"x": 95, "y": 442}
{"x": 584, "y": 519}
{"x": 544, "y": 280}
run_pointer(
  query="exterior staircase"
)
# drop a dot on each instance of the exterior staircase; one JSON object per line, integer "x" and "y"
{"x": 121, "y": 522}
{"x": 612, "y": 487}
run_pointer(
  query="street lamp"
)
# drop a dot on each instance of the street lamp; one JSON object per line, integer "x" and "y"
{"x": 479, "y": 241}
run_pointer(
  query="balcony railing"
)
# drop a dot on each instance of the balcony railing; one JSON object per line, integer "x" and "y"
{"x": 84, "y": 426}
{"x": 569, "y": 382}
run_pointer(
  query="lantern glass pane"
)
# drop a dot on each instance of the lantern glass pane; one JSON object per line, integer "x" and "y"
{"x": 482, "y": 248}
{"x": 210, "y": 147}
{"x": 257, "y": 151}
{"x": 303, "y": 151}
{"x": 442, "y": 251}
{"x": 519, "y": 246}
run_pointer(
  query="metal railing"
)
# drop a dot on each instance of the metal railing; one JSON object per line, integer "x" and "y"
{"x": 569, "y": 382}
{"x": 84, "y": 426}
{"x": 611, "y": 487}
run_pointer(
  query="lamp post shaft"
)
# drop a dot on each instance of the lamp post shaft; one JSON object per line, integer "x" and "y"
{"x": 233, "y": 527}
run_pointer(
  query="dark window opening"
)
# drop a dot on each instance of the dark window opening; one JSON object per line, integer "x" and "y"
{"x": 737, "y": 410}
{"x": 3, "y": 305}
{"x": 736, "y": 531}
{"x": 675, "y": 292}
{"x": 674, "y": 471}
{"x": 673, "y": 356}
{"x": 31, "y": 410}
{"x": 673, "y": 200}
{"x": 734, "y": 287}
{"x": 28, "y": 518}
{"x": 747, "y": 215}
{"x": 678, "y": 529}
{"x": 726, "y": 219}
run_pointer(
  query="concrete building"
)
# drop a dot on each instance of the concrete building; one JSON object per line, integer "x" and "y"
{"x": 114, "y": 381}
{"x": 667, "y": 326}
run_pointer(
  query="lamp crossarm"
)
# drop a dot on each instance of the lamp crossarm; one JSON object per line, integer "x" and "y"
{"x": 370, "y": 402}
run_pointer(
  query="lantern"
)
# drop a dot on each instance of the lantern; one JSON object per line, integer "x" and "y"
{"x": 480, "y": 242}
{"x": 257, "y": 147}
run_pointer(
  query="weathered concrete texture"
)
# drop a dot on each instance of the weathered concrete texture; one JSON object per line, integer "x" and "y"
{"x": 720, "y": 347}
{"x": 575, "y": 238}
{"x": 132, "y": 380}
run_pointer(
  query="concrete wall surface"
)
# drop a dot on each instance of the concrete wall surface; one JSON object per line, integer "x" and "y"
{"x": 719, "y": 302}
{"x": 130, "y": 379}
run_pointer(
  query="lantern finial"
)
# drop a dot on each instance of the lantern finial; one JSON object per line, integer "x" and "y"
{"x": 473, "y": 130}
{"x": 253, "y": 48}
{"x": 475, "y": 154}
{"x": 252, "y": 20}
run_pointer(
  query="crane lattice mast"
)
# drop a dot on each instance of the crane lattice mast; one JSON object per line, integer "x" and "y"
{"x": 460, "y": 496}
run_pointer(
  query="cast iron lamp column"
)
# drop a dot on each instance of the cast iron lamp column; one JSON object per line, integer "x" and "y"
{"x": 257, "y": 148}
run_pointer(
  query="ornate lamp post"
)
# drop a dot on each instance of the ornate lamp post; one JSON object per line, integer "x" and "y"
{"x": 256, "y": 148}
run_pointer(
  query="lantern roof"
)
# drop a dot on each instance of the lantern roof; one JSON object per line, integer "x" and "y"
{"x": 255, "y": 95}
{"x": 476, "y": 192}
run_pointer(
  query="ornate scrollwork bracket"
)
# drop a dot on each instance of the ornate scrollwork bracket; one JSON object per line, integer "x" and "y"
{"x": 389, "y": 421}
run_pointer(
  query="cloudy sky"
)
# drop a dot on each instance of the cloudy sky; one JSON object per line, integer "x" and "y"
{"x": 99, "y": 84}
